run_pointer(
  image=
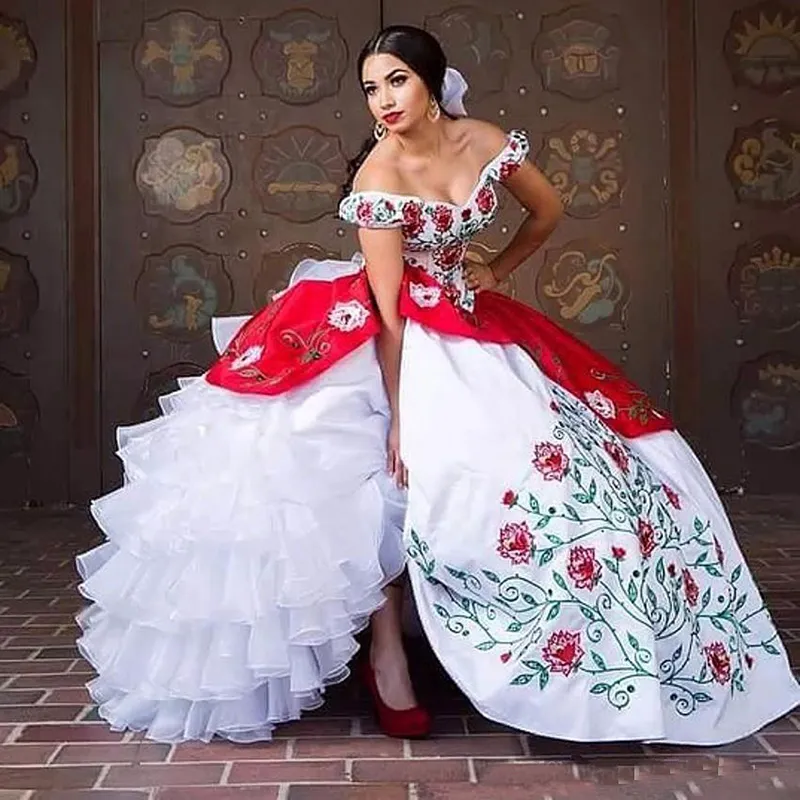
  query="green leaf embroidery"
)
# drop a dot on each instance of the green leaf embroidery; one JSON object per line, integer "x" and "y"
{"x": 457, "y": 573}
{"x": 544, "y": 677}
{"x": 571, "y": 512}
{"x": 598, "y": 659}
{"x": 522, "y": 679}
{"x": 536, "y": 666}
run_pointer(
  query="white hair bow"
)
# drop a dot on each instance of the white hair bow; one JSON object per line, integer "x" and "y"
{"x": 454, "y": 87}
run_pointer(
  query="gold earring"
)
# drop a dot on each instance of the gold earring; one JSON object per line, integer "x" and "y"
{"x": 379, "y": 131}
{"x": 434, "y": 111}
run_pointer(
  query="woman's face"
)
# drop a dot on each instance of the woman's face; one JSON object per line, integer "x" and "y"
{"x": 397, "y": 97}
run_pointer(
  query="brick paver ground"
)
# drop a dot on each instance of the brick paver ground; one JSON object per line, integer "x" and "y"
{"x": 53, "y": 747}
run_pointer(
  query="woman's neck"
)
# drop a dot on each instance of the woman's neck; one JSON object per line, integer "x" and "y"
{"x": 426, "y": 141}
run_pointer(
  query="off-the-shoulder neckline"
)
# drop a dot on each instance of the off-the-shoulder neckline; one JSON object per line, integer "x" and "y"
{"x": 479, "y": 183}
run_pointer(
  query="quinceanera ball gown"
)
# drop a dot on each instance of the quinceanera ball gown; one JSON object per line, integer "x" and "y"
{"x": 573, "y": 568}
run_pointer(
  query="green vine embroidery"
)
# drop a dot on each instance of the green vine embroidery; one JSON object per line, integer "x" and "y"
{"x": 612, "y": 579}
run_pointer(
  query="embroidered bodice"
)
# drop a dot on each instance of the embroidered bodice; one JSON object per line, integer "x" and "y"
{"x": 436, "y": 234}
{"x": 323, "y": 317}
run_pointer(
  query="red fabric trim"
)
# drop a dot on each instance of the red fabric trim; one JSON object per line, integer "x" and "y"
{"x": 293, "y": 340}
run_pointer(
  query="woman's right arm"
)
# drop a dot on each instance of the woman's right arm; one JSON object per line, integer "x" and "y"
{"x": 383, "y": 253}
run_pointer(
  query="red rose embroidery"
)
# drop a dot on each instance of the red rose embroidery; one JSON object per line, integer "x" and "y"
{"x": 690, "y": 588}
{"x": 672, "y": 496}
{"x": 563, "y": 652}
{"x": 448, "y": 257}
{"x": 466, "y": 214}
{"x": 364, "y": 212}
{"x": 516, "y": 543}
{"x": 720, "y": 554}
{"x": 671, "y": 569}
{"x": 583, "y": 567}
{"x": 719, "y": 661}
{"x": 551, "y": 460}
{"x": 618, "y": 455}
{"x": 618, "y": 553}
{"x": 451, "y": 292}
{"x": 748, "y": 659}
{"x": 412, "y": 219}
{"x": 485, "y": 200}
{"x": 510, "y": 498}
{"x": 507, "y": 169}
{"x": 442, "y": 218}
{"x": 647, "y": 538}
{"x": 505, "y": 657}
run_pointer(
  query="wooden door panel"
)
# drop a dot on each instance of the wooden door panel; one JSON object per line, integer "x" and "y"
{"x": 748, "y": 200}
{"x": 34, "y": 391}
{"x": 225, "y": 131}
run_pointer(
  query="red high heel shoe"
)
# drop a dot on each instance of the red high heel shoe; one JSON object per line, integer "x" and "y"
{"x": 406, "y": 723}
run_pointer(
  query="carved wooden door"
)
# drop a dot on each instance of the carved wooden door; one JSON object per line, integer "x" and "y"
{"x": 748, "y": 211}
{"x": 34, "y": 391}
{"x": 225, "y": 128}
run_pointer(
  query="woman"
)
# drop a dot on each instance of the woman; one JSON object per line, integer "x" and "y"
{"x": 572, "y": 566}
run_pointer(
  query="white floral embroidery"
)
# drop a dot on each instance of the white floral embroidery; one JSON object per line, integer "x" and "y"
{"x": 601, "y": 404}
{"x": 425, "y": 296}
{"x": 250, "y": 356}
{"x": 348, "y": 316}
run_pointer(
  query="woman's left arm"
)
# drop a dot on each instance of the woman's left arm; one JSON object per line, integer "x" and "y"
{"x": 537, "y": 195}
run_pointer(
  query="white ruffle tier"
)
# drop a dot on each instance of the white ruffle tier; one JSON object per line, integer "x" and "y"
{"x": 250, "y": 542}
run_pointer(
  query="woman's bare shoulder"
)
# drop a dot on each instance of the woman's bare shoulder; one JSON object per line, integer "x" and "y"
{"x": 379, "y": 172}
{"x": 485, "y": 138}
